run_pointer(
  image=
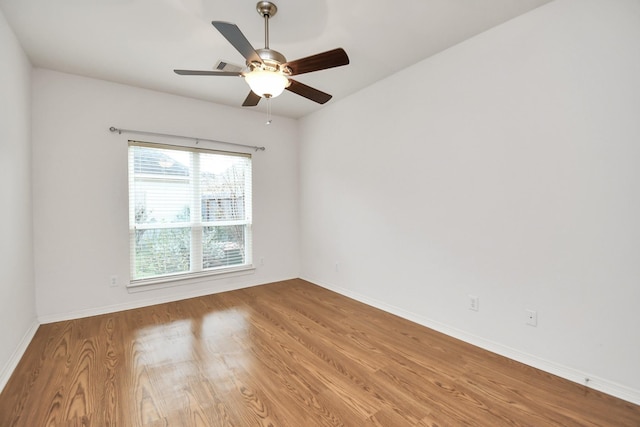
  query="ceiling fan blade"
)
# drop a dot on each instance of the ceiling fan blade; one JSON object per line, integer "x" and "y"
{"x": 308, "y": 92}
{"x": 206, "y": 73}
{"x": 320, "y": 61}
{"x": 232, "y": 33}
{"x": 251, "y": 100}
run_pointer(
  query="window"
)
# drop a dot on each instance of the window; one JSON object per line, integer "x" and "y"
{"x": 189, "y": 212}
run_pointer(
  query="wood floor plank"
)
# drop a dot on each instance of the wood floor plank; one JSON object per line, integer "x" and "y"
{"x": 283, "y": 354}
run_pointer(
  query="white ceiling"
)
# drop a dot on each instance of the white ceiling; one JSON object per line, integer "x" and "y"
{"x": 140, "y": 42}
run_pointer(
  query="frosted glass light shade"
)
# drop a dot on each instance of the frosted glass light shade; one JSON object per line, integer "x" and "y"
{"x": 267, "y": 84}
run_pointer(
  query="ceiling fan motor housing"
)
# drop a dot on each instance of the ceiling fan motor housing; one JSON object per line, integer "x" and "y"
{"x": 272, "y": 60}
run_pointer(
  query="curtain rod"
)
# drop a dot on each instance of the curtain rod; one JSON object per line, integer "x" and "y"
{"x": 120, "y": 131}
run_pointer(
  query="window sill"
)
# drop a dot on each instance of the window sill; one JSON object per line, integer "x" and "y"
{"x": 187, "y": 279}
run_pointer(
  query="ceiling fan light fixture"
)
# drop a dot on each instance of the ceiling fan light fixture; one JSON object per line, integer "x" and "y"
{"x": 267, "y": 84}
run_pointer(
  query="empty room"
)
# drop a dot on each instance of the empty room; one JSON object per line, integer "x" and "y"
{"x": 319, "y": 213}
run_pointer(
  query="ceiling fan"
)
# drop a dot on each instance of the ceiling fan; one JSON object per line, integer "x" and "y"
{"x": 268, "y": 72}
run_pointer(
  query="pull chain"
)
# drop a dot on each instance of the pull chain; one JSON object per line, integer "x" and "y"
{"x": 269, "y": 120}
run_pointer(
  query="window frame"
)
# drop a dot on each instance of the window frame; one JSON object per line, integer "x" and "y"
{"x": 196, "y": 224}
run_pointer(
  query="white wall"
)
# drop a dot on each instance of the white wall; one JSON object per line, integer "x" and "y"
{"x": 17, "y": 301}
{"x": 506, "y": 168}
{"x": 80, "y": 189}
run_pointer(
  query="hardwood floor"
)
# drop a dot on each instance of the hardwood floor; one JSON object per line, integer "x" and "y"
{"x": 284, "y": 354}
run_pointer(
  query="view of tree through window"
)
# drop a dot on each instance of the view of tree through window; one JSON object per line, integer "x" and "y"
{"x": 189, "y": 210}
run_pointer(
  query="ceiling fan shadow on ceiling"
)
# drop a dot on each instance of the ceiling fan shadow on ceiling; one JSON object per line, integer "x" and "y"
{"x": 267, "y": 72}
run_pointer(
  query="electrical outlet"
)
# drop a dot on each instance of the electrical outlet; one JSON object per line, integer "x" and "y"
{"x": 474, "y": 303}
{"x": 337, "y": 266}
{"x": 532, "y": 317}
{"x": 113, "y": 281}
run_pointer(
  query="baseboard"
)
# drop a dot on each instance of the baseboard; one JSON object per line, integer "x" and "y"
{"x": 13, "y": 361}
{"x": 96, "y": 311}
{"x": 574, "y": 375}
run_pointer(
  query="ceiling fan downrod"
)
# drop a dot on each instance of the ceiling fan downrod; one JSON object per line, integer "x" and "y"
{"x": 266, "y": 9}
{"x": 271, "y": 60}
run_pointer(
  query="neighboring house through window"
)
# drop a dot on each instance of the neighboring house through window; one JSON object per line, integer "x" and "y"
{"x": 189, "y": 212}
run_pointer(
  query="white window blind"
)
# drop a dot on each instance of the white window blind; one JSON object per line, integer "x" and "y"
{"x": 189, "y": 211}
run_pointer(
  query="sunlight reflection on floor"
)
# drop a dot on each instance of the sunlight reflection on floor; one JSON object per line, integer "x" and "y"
{"x": 181, "y": 354}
